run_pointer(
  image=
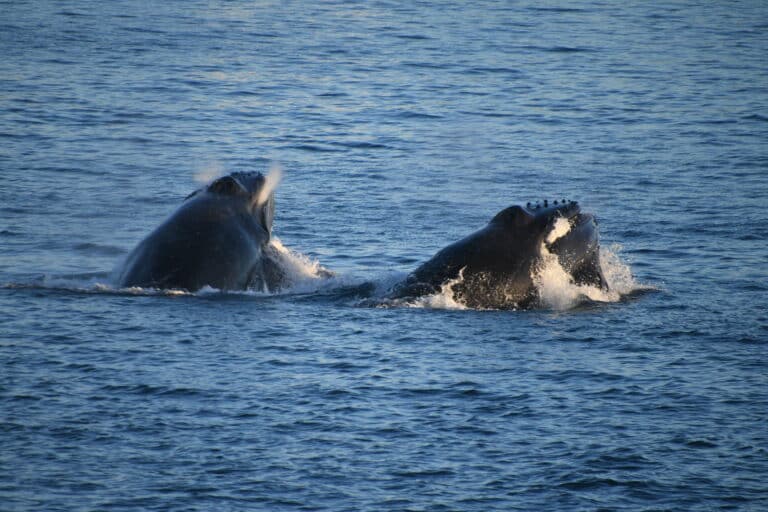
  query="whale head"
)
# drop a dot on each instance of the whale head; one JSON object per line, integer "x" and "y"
{"x": 563, "y": 229}
{"x": 256, "y": 190}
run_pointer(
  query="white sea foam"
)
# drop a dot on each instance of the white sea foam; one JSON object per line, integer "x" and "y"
{"x": 302, "y": 273}
{"x": 82, "y": 283}
{"x": 557, "y": 289}
{"x": 444, "y": 299}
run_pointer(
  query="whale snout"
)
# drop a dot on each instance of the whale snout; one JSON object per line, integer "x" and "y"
{"x": 580, "y": 235}
{"x": 563, "y": 207}
{"x": 545, "y": 213}
{"x": 540, "y": 218}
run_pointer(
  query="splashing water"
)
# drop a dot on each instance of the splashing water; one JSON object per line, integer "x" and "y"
{"x": 444, "y": 299}
{"x": 302, "y": 273}
{"x": 556, "y": 288}
{"x": 619, "y": 274}
{"x": 271, "y": 181}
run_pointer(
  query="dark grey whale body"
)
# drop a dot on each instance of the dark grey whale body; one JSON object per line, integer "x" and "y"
{"x": 218, "y": 237}
{"x": 494, "y": 267}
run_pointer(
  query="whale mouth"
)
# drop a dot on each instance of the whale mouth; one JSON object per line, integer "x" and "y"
{"x": 579, "y": 223}
{"x": 566, "y": 225}
{"x": 562, "y": 219}
{"x": 576, "y": 233}
{"x": 571, "y": 211}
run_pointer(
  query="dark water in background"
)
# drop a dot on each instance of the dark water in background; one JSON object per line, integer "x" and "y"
{"x": 401, "y": 128}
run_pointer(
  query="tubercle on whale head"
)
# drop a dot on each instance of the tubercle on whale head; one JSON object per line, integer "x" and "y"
{"x": 541, "y": 212}
{"x": 545, "y": 211}
{"x": 545, "y": 203}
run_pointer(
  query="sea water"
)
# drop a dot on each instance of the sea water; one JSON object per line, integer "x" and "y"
{"x": 401, "y": 127}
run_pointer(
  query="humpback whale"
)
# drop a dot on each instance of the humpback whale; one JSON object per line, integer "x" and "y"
{"x": 495, "y": 266}
{"x": 218, "y": 237}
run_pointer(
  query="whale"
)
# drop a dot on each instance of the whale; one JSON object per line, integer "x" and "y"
{"x": 218, "y": 237}
{"x": 496, "y": 266}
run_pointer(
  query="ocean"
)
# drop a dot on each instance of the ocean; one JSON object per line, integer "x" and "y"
{"x": 400, "y": 128}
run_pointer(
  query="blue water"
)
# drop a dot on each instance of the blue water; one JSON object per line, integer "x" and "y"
{"x": 401, "y": 127}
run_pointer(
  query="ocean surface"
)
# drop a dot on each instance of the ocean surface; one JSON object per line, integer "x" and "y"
{"x": 400, "y": 127}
